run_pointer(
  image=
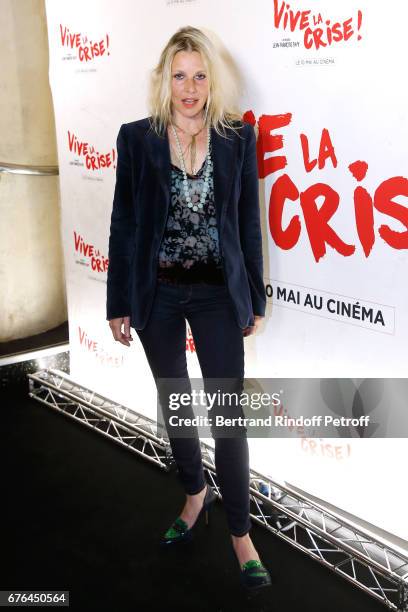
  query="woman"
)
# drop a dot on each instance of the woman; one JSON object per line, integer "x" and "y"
{"x": 185, "y": 244}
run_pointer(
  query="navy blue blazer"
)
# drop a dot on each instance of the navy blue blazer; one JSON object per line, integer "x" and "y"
{"x": 139, "y": 215}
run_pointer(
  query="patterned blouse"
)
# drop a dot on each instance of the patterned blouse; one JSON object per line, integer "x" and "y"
{"x": 189, "y": 251}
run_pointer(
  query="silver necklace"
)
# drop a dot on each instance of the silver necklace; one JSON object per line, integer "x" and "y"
{"x": 190, "y": 204}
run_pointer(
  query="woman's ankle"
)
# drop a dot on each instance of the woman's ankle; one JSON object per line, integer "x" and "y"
{"x": 192, "y": 507}
{"x": 197, "y": 495}
{"x": 244, "y": 548}
{"x": 242, "y": 538}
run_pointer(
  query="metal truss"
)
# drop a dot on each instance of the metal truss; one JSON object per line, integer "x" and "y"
{"x": 333, "y": 541}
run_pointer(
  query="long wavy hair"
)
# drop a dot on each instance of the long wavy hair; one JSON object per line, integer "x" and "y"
{"x": 221, "y": 109}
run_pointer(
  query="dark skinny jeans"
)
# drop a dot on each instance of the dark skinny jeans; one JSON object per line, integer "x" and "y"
{"x": 219, "y": 345}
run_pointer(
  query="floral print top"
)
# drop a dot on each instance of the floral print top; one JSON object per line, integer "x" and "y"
{"x": 189, "y": 251}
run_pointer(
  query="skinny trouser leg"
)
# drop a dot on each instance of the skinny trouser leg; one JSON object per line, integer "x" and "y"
{"x": 164, "y": 343}
{"x": 219, "y": 345}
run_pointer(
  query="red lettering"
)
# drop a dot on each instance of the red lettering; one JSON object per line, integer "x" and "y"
{"x": 309, "y": 165}
{"x": 337, "y": 32}
{"x": 270, "y": 143}
{"x": 363, "y": 210}
{"x": 383, "y": 202}
{"x": 283, "y": 189}
{"x": 326, "y": 151}
{"x": 347, "y": 29}
{"x": 317, "y": 220}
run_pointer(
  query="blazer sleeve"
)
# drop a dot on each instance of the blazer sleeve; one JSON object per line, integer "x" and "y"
{"x": 249, "y": 224}
{"x": 122, "y": 235}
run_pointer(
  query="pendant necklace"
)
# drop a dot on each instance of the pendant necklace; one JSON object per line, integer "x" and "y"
{"x": 208, "y": 160}
{"x": 191, "y": 146}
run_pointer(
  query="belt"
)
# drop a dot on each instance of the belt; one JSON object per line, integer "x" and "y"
{"x": 177, "y": 275}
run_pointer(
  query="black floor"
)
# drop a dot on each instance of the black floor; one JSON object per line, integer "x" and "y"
{"x": 82, "y": 514}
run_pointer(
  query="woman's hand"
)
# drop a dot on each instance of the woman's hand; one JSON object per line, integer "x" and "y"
{"x": 252, "y": 328}
{"x": 116, "y": 328}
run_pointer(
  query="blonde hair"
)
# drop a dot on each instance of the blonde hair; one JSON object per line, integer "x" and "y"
{"x": 221, "y": 109}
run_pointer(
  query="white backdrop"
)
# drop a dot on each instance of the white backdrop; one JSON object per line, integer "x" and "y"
{"x": 347, "y": 99}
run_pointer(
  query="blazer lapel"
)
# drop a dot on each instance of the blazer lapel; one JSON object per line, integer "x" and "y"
{"x": 224, "y": 153}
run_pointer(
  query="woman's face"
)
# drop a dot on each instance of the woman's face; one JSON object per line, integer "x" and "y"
{"x": 189, "y": 83}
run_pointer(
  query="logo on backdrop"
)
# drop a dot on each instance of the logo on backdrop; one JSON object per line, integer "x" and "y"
{"x": 88, "y": 255}
{"x": 318, "y": 30}
{"x": 94, "y": 348}
{"x": 82, "y": 47}
{"x": 318, "y": 221}
{"x": 86, "y": 154}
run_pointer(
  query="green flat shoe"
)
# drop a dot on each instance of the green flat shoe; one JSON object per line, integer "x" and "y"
{"x": 178, "y": 532}
{"x": 254, "y": 575}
